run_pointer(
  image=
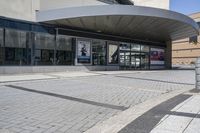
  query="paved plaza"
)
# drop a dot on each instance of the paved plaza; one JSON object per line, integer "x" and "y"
{"x": 75, "y": 102}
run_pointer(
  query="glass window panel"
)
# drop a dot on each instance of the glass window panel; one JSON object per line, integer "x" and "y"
{"x": 44, "y": 49}
{"x": 193, "y": 40}
{"x": 144, "y": 60}
{"x": 99, "y": 52}
{"x": 45, "y": 41}
{"x": 144, "y": 48}
{"x": 1, "y": 37}
{"x": 64, "y": 50}
{"x": 113, "y": 54}
{"x": 125, "y": 46}
{"x": 135, "y": 47}
{"x": 64, "y": 58}
{"x": 10, "y": 54}
{"x": 15, "y": 39}
{"x": 16, "y": 25}
{"x": 64, "y": 43}
{"x": 1, "y": 55}
{"x": 17, "y": 49}
{"x": 1, "y": 45}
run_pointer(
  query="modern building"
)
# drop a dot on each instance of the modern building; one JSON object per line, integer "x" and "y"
{"x": 49, "y": 35}
{"x": 185, "y": 51}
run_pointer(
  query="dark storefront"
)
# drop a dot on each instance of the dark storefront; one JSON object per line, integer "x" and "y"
{"x": 31, "y": 44}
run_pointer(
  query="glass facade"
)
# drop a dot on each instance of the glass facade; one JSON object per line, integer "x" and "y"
{"x": 1, "y": 47}
{"x": 113, "y": 53}
{"x": 84, "y": 51}
{"x": 145, "y": 57}
{"x": 98, "y": 52}
{"x": 23, "y": 43}
{"x": 134, "y": 56}
{"x": 17, "y": 48}
{"x": 44, "y": 49}
{"x": 64, "y": 53}
{"x": 124, "y": 55}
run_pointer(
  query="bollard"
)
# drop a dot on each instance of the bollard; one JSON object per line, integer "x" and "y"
{"x": 197, "y": 71}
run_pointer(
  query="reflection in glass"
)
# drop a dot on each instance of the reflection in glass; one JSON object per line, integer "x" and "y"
{"x": 64, "y": 50}
{"x": 135, "y": 47}
{"x": 98, "y": 52}
{"x": 144, "y": 60}
{"x": 113, "y": 54}
{"x": 135, "y": 60}
{"x": 17, "y": 49}
{"x": 125, "y": 59}
{"x": 44, "y": 49}
{"x": 125, "y": 46}
{"x": 1, "y": 47}
{"x": 145, "y": 48}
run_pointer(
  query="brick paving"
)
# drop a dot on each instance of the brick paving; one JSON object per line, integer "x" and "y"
{"x": 89, "y": 99}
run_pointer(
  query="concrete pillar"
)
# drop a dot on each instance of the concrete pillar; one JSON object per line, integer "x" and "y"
{"x": 197, "y": 71}
{"x": 168, "y": 55}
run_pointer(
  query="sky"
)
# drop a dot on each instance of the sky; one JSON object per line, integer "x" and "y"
{"x": 185, "y": 6}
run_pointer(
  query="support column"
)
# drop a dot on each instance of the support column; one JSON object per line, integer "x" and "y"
{"x": 197, "y": 72}
{"x": 33, "y": 39}
{"x": 168, "y": 55}
{"x": 55, "y": 49}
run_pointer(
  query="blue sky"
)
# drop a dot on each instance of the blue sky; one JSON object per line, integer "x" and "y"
{"x": 185, "y": 6}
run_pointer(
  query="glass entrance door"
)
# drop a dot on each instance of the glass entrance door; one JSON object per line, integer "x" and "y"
{"x": 125, "y": 59}
{"x": 144, "y": 61}
{"x": 135, "y": 60}
{"x": 98, "y": 52}
{"x": 134, "y": 57}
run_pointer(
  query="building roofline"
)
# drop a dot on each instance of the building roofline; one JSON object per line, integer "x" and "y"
{"x": 159, "y": 16}
{"x": 194, "y": 13}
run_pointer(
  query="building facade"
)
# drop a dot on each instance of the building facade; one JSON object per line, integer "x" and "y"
{"x": 185, "y": 51}
{"x": 46, "y": 35}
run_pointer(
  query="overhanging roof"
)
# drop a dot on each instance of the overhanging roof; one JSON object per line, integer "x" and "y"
{"x": 125, "y": 2}
{"x": 124, "y": 20}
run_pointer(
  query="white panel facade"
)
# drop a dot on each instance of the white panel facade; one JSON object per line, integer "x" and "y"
{"x": 19, "y": 9}
{"x": 163, "y": 4}
{"x": 56, "y": 4}
{"x": 26, "y": 9}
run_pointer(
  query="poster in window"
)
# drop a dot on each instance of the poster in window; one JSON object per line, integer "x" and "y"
{"x": 84, "y": 52}
{"x": 113, "y": 54}
{"x": 157, "y": 56}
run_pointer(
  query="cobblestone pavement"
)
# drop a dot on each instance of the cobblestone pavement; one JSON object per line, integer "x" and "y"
{"x": 73, "y": 105}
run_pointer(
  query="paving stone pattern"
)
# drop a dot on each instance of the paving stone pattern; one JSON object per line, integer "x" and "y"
{"x": 24, "y": 112}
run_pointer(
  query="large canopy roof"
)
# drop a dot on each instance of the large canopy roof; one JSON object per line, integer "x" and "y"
{"x": 134, "y": 22}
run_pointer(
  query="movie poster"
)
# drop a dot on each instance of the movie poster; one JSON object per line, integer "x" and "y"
{"x": 157, "y": 56}
{"x": 84, "y": 48}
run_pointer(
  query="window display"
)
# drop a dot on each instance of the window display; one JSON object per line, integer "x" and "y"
{"x": 83, "y": 52}
{"x": 113, "y": 54}
{"x": 98, "y": 52}
{"x": 157, "y": 56}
